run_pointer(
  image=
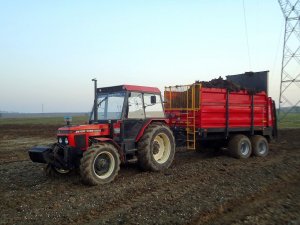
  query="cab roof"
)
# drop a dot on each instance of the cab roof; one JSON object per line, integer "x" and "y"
{"x": 127, "y": 87}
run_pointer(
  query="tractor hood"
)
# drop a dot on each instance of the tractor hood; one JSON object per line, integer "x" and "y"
{"x": 102, "y": 129}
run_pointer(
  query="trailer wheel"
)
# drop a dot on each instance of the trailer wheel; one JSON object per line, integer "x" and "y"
{"x": 260, "y": 146}
{"x": 156, "y": 148}
{"x": 52, "y": 171}
{"x": 240, "y": 146}
{"x": 100, "y": 164}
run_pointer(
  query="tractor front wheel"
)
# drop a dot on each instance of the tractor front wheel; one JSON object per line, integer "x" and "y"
{"x": 52, "y": 171}
{"x": 100, "y": 164}
{"x": 156, "y": 149}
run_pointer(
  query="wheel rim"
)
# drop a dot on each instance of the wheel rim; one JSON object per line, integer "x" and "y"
{"x": 104, "y": 164}
{"x": 62, "y": 171}
{"x": 161, "y": 148}
{"x": 262, "y": 148}
{"x": 245, "y": 148}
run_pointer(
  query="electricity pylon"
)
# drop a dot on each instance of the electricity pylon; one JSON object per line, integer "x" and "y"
{"x": 289, "y": 97}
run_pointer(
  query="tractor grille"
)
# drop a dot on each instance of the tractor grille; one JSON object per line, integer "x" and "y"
{"x": 80, "y": 141}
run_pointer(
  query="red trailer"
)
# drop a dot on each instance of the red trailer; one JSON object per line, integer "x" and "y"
{"x": 243, "y": 120}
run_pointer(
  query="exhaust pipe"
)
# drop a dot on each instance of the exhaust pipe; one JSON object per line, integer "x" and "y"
{"x": 95, "y": 100}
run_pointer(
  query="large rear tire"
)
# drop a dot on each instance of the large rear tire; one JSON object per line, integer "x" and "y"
{"x": 260, "y": 146}
{"x": 100, "y": 164}
{"x": 240, "y": 146}
{"x": 156, "y": 148}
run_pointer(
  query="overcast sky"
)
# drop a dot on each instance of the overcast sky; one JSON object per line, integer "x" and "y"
{"x": 50, "y": 50}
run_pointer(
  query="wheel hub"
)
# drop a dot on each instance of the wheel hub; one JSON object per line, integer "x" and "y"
{"x": 102, "y": 165}
{"x": 156, "y": 147}
{"x": 161, "y": 148}
{"x": 244, "y": 148}
{"x": 262, "y": 148}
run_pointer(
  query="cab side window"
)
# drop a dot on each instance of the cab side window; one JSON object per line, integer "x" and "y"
{"x": 135, "y": 106}
{"x": 153, "y": 106}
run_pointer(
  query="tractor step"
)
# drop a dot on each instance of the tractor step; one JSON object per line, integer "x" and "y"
{"x": 133, "y": 160}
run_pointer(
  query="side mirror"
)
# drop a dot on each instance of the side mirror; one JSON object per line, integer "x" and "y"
{"x": 153, "y": 99}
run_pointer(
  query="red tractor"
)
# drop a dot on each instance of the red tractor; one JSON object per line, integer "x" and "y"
{"x": 127, "y": 123}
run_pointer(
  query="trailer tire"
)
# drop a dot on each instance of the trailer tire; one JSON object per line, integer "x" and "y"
{"x": 99, "y": 164}
{"x": 240, "y": 146}
{"x": 260, "y": 146}
{"x": 54, "y": 172}
{"x": 156, "y": 148}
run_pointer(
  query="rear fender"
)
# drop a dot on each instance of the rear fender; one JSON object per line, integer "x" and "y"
{"x": 141, "y": 133}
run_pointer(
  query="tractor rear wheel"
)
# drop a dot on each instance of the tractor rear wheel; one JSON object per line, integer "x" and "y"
{"x": 52, "y": 171}
{"x": 260, "y": 146}
{"x": 156, "y": 148}
{"x": 100, "y": 164}
{"x": 240, "y": 146}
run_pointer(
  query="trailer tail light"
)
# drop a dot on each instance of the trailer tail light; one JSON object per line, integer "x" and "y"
{"x": 117, "y": 128}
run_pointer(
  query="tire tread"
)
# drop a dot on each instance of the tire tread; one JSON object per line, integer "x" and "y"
{"x": 144, "y": 148}
{"x": 254, "y": 141}
{"x": 234, "y": 146}
{"x": 86, "y": 163}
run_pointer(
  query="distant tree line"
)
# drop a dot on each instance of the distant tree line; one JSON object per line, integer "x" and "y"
{"x": 294, "y": 110}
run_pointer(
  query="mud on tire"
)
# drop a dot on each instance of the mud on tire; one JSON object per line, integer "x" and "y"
{"x": 260, "y": 146}
{"x": 240, "y": 146}
{"x": 156, "y": 148}
{"x": 100, "y": 164}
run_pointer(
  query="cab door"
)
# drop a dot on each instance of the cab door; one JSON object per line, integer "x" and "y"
{"x": 134, "y": 119}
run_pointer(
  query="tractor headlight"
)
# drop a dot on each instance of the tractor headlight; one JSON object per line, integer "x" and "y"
{"x": 66, "y": 141}
{"x": 60, "y": 140}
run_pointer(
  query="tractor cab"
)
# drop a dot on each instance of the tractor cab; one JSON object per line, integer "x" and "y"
{"x": 127, "y": 109}
{"x": 127, "y": 124}
{"x": 126, "y": 102}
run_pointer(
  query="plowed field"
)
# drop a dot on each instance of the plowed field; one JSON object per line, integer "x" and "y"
{"x": 199, "y": 188}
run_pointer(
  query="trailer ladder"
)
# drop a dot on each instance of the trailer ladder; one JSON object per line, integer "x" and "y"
{"x": 191, "y": 131}
{"x": 185, "y": 99}
{"x": 190, "y": 119}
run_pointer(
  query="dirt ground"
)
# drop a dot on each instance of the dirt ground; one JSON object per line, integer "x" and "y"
{"x": 199, "y": 188}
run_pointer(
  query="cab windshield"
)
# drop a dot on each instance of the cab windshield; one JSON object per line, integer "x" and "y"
{"x": 110, "y": 105}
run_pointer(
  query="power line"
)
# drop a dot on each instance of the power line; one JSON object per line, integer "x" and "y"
{"x": 277, "y": 48}
{"x": 246, "y": 33}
